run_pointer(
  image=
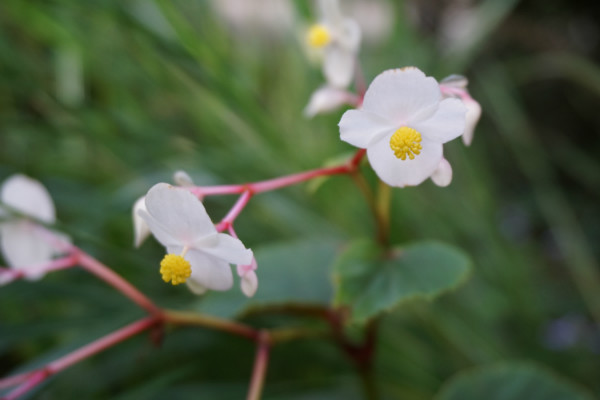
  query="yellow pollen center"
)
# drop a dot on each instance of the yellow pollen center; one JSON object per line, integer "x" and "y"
{"x": 318, "y": 36}
{"x": 406, "y": 142}
{"x": 175, "y": 269}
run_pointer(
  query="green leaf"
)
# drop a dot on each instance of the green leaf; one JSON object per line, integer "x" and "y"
{"x": 290, "y": 272}
{"x": 370, "y": 281}
{"x": 511, "y": 381}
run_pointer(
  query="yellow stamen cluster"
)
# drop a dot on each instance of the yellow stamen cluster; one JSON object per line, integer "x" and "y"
{"x": 175, "y": 269}
{"x": 318, "y": 36}
{"x": 406, "y": 142}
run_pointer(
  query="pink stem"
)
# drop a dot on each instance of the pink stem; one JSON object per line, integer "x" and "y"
{"x": 38, "y": 376}
{"x": 261, "y": 361}
{"x": 237, "y": 208}
{"x": 115, "y": 280}
{"x": 277, "y": 183}
{"x": 54, "y": 265}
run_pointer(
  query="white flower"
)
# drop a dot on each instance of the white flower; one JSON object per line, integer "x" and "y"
{"x": 196, "y": 250}
{"x": 272, "y": 17}
{"x": 327, "y": 98}
{"x": 403, "y": 124}
{"x": 26, "y": 245}
{"x": 456, "y": 86}
{"x": 340, "y": 39}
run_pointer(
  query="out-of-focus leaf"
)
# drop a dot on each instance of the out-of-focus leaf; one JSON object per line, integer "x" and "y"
{"x": 370, "y": 281}
{"x": 287, "y": 272}
{"x": 511, "y": 381}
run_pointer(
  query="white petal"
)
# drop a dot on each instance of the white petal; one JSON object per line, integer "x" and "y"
{"x": 196, "y": 287}
{"x": 182, "y": 178}
{"x": 396, "y": 172}
{"x": 229, "y": 249}
{"x": 330, "y": 10}
{"x": 455, "y": 81}
{"x": 210, "y": 272}
{"x": 23, "y": 247}
{"x": 28, "y": 196}
{"x": 402, "y": 95}
{"x": 360, "y": 127}
{"x": 140, "y": 228}
{"x": 442, "y": 176}
{"x": 472, "y": 118}
{"x": 326, "y": 99}
{"x": 249, "y": 283}
{"x": 446, "y": 124}
{"x": 159, "y": 231}
{"x": 178, "y": 212}
{"x": 338, "y": 66}
{"x": 348, "y": 35}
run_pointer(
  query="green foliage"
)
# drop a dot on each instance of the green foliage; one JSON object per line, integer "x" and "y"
{"x": 370, "y": 280}
{"x": 511, "y": 381}
{"x": 101, "y": 100}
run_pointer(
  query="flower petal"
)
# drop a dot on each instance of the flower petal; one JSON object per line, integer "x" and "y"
{"x": 360, "y": 127}
{"x": 161, "y": 233}
{"x": 348, "y": 35}
{"x": 208, "y": 271}
{"x": 22, "y": 247}
{"x": 178, "y": 212}
{"x": 446, "y": 124}
{"x": 338, "y": 66}
{"x": 472, "y": 118}
{"x": 249, "y": 283}
{"x": 330, "y": 10}
{"x": 442, "y": 176}
{"x": 28, "y": 196}
{"x": 326, "y": 99}
{"x": 396, "y": 172}
{"x": 140, "y": 227}
{"x": 229, "y": 249}
{"x": 402, "y": 95}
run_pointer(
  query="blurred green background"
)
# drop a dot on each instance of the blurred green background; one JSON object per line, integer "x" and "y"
{"x": 100, "y": 100}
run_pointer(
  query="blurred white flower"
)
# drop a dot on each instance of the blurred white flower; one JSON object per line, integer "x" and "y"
{"x": 339, "y": 37}
{"x": 374, "y": 17}
{"x": 266, "y": 16}
{"x": 456, "y": 86}
{"x": 182, "y": 178}
{"x": 27, "y": 246}
{"x": 326, "y": 99}
{"x": 197, "y": 253}
{"x": 403, "y": 124}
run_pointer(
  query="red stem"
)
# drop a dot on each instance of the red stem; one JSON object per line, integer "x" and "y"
{"x": 38, "y": 376}
{"x": 115, "y": 280}
{"x": 277, "y": 183}
{"x": 259, "y": 371}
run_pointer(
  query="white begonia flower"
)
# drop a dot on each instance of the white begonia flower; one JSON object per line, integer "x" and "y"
{"x": 24, "y": 244}
{"x": 339, "y": 37}
{"x": 456, "y": 86}
{"x": 195, "y": 249}
{"x": 442, "y": 176}
{"x": 327, "y": 98}
{"x": 403, "y": 124}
